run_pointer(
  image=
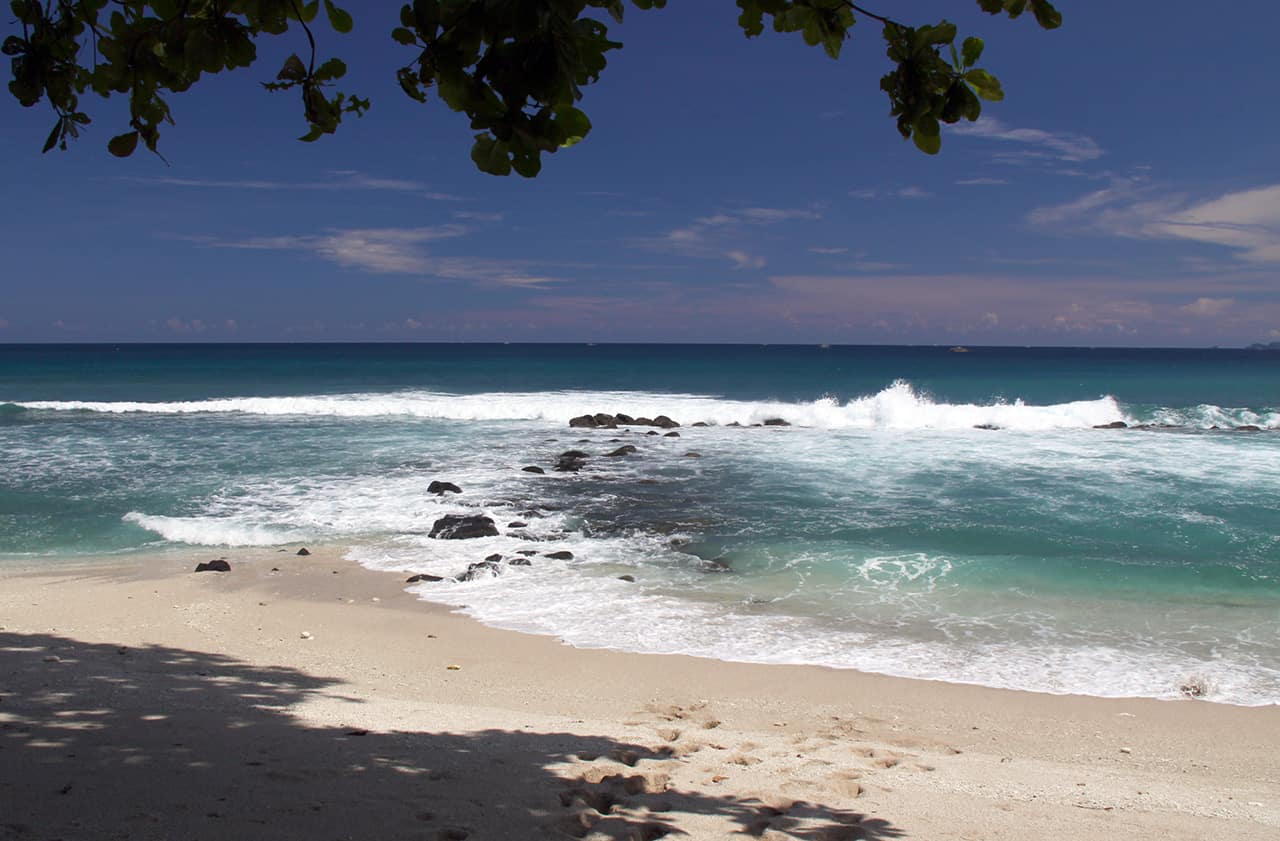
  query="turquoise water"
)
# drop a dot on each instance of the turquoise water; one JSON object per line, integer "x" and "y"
{"x": 880, "y": 531}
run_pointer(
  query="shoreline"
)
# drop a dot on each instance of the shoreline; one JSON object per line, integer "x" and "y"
{"x": 529, "y": 737}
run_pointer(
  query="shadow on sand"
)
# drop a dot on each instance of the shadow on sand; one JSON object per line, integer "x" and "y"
{"x": 101, "y": 742}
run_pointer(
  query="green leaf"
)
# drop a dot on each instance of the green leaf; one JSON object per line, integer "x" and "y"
{"x": 310, "y": 10}
{"x": 987, "y": 86}
{"x": 339, "y": 19}
{"x": 334, "y": 68}
{"x": 404, "y": 35}
{"x": 1046, "y": 15}
{"x": 122, "y": 145}
{"x": 53, "y": 136}
{"x": 971, "y": 51}
{"x": 573, "y": 125}
{"x": 293, "y": 71}
{"x": 490, "y": 155}
{"x": 927, "y": 136}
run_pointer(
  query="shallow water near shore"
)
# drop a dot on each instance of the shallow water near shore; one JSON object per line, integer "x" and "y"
{"x": 880, "y": 531}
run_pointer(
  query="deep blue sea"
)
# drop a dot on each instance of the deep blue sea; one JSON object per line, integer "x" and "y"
{"x": 927, "y": 513}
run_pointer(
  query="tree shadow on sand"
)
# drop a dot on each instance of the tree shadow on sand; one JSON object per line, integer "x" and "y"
{"x": 102, "y": 742}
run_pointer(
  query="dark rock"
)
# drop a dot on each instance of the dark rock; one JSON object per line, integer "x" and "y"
{"x": 672, "y": 435}
{"x": 630, "y": 578}
{"x": 484, "y": 569}
{"x": 700, "y": 423}
{"x": 1248, "y": 427}
{"x": 414, "y": 579}
{"x": 533, "y": 469}
{"x": 218, "y": 565}
{"x": 776, "y": 422}
{"x": 494, "y": 558}
{"x": 733, "y": 423}
{"x": 985, "y": 426}
{"x": 520, "y": 562}
{"x": 562, "y": 555}
{"x": 641, "y": 422}
{"x": 623, "y": 419}
{"x": 571, "y": 461}
{"x": 303, "y": 551}
{"x": 1112, "y": 425}
{"x": 463, "y": 526}
{"x": 692, "y": 455}
{"x": 517, "y": 525}
{"x": 584, "y": 421}
{"x": 528, "y": 553}
{"x": 625, "y": 449}
{"x": 275, "y": 569}
{"x": 651, "y": 432}
{"x": 442, "y": 488}
{"x": 665, "y": 422}
{"x": 605, "y": 420}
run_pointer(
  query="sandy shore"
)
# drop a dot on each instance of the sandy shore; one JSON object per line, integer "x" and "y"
{"x": 320, "y": 701}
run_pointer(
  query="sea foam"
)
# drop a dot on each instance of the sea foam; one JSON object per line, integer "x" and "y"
{"x": 899, "y": 406}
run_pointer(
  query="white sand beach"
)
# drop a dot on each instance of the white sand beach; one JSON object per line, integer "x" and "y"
{"x": 318, "y": 700}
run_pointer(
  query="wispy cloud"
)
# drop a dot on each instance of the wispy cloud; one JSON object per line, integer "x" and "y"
{"x": 909, "y": 192}
{"x": 397, "y": 251}
{"x": 337, "y": 180}
{"x": 1247, "y": 220}
{"x": 816, "y": 249}
{"x": 719, "y": 235}
{"x": 1036, "y": 143}
{"x": 478, "y": 216}
{"x": 743, "y": 260}
{"x": 1208, "y": 306}
{"x": 981, "y": 182}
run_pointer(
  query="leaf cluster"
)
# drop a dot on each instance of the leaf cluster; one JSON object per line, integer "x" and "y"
{"x": 516, "y": 68}
{"x": 146, "y": 50}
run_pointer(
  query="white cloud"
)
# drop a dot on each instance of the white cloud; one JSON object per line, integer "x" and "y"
{"x": 338, "y": 180}
{"x": 981, "y": 182}
{"x": 397, "y": 251}
{"x": 743, "y": 260}
{"x": 1060, "y": 146}
{"x": 908, "y": 192}
{"x": 719, "y": 234}
{"x": 1208, "y": 306}
{"x": 1247, "y": 220}
{"x": 820, "y": 250}
{"x": 478, "y": 216}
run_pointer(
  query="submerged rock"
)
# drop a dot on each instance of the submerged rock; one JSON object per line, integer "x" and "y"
{"x": 985, "y": 426}
{"x": 442, "y": 488}
{"x": 1248, "y": 427}
{"x": 533, "y": 469}
{"x": 700, "y": 423}
{"x": 527, "y": 552}
{"x": 672, "y": 435}
{"x": 664, "y": 422}
{"x": 520, "y": 562}
{"x": 651, "y": 432}
{"x": 483, "y": 569}
{"x": 625, "y": 449}
{"x": 516, "y": 524}
{"x": 776, "y": 422}
{"x": 562, "y": 555}
{"x": 692, "y": 454}
{"x": 494, "y": 558}
{"x": 571, "y": 461}
{"x": 218, "y": 565}
{"x": 1112, "y": 425}
{"x": 414, "y": 579}
{"x": 463, "y": 526}
{"x": 629, "y": 578}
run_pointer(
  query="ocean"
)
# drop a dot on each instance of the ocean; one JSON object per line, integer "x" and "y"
{"x": 926, "y": 513}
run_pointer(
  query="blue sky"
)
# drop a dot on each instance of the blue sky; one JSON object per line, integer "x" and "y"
{"x": 1126, "y": 192}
